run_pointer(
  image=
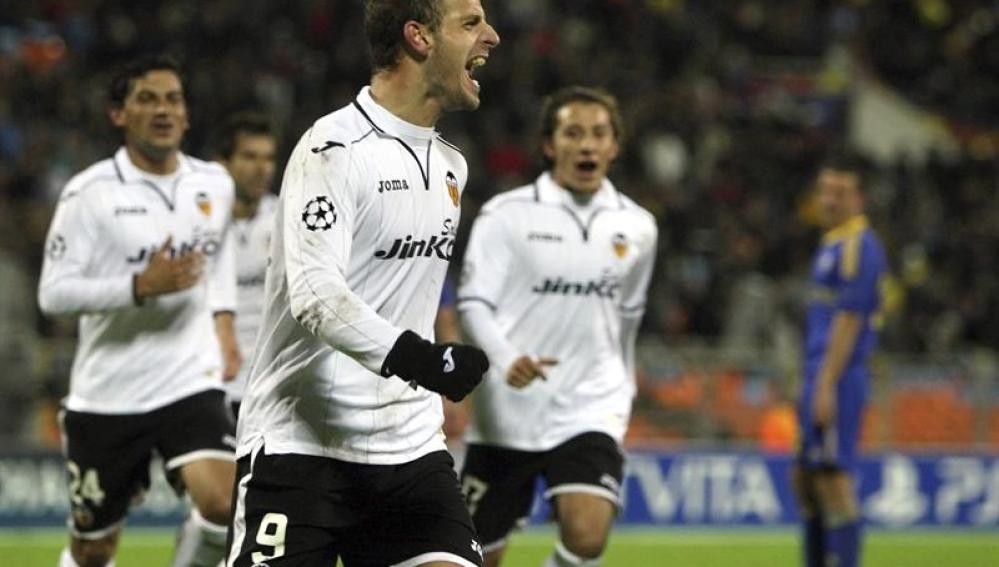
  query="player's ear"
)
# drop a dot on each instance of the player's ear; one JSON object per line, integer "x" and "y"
{"x": 418, "y": 40}
{"x": 548, "y": 148}
{"x": 117, "y": 116}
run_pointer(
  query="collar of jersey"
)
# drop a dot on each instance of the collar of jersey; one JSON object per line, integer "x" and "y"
{"x": 551, "y": 192}
{"x": 131, "y": 173}
{"x": 851, "y": 227}
{"x": 391, "y": 124}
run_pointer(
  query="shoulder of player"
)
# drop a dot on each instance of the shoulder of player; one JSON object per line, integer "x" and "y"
{"x": 210, "y": 168}
{"x": 511, "y": 201}
{"x": 332, "y": 137}
{"x": 209, "y": 175}
{"x": 452, "y": 154}
{"x": 341, "y": 128}
{"x": 448, "y": 146}
{"x": 872, "y": 246}
{"x": 100, "y": 174}
{"x": 637, "y": 213}
{"x": 268, "y": 205}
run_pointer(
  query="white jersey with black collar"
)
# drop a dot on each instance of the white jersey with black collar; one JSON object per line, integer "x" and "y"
{"x": 547, "y": 276}
{"x": 110, "y": 219}
{"x": 251, "y": 239}
{"x": 365, "y": 227}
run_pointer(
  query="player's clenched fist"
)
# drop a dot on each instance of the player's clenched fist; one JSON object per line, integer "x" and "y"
{"x": 451, "y": 369}
{"x": 166, "y": 274}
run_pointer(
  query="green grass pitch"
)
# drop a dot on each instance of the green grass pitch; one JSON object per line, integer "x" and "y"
{"x": 667, "y": 548}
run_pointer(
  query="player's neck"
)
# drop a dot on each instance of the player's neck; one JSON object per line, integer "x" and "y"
{"x": 245, "y": 208}
{"x": 404, "y": 95}
{"x": 153, "y": 164}
{"x": 579, "y": 197}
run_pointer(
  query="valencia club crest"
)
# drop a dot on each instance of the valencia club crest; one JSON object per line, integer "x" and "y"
{"x": 452, "y": 188}
{"x": 620, "y": 244}
{"x": 204, "y": 203}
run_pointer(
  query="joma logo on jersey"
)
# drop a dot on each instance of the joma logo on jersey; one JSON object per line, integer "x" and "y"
{"x": 603, "y": 288}
{"x": 405, "y": 248}
{"x": 392, "y": 185}
{"x": 544, "y": 237}
{"x": 129, "y": 210}
{"x": 206, "y": 247}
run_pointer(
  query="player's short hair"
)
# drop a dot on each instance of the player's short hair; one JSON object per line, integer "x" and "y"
{"x": 249, "y": 123}
{"x": 384, "y": 20}
{"x": 124, "y": 79}
{"x": 568, "y": 95}
{"x": 847, "y": 162}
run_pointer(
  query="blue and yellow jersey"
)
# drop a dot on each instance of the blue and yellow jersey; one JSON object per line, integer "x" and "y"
{"x": 846, "y": 276}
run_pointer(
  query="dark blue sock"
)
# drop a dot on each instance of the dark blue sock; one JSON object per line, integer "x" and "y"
{"x": 843, "y": 543}
{"x": 814, "y": 536}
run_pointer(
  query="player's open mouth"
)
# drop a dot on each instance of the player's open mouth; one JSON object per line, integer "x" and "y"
{"x": 470, "y": 67}
{"x": 586, "y": 166}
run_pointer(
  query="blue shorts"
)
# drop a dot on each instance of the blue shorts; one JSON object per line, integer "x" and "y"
{"x": 833, "y": 448}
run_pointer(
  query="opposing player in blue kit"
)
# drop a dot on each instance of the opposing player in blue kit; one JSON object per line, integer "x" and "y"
{"x": 840, "y": 336}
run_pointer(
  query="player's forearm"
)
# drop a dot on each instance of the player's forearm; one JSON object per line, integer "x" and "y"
{"x": 629, "y": 335}
{"x": 843, "y": 333}
{"x": 327, "y": 308}
{"x": 225, "y": 329}
{"x": 480, "y": 325}
{"x": 222, "y": 278}
{"x": 71, "y": 295}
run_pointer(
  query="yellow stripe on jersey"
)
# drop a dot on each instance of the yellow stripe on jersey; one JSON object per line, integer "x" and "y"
{"x": 852, "y": 227}
{"x": 849, "y": 262}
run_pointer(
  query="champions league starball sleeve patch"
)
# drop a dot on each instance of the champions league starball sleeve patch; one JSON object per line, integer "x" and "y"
{"x": 319, "y": 214}
{"x": 56, "y": 248}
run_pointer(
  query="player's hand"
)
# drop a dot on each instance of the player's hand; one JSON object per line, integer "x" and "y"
{"x": 451, "y": 369}
{"x": 232, "y": 361}
{"x": 165, "y": 274}
{"x": 525, "y": 369}
{"x": 824, "y": 406}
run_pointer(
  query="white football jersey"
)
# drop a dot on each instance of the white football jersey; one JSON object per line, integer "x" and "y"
{"x": 365, "y": 227}
{"x": 545, "y": 276}
{"x": 251, "y": 239}
{"x": 110, "y": 220}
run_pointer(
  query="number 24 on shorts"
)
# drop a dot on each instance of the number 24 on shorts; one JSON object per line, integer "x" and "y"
{"x": 85, "y": 485}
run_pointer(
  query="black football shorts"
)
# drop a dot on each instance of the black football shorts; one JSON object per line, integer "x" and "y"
{"x": 499, "y": 483}
{"x": 301, "y": 510}
{"x": 108, "y": 456}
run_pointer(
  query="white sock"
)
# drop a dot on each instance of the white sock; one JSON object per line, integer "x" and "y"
{"x": 66, "y": 559}
{"x": 562, "y": 557}
{"x": 200, "y": 543}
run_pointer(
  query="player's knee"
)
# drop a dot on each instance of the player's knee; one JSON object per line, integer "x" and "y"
{"x": 804, "y": 492}
{"x": 585, "y": 543}
{"x": 93, "y": 553}
{"x": 216, "y": 509}
{"x": 492, "y": 558}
